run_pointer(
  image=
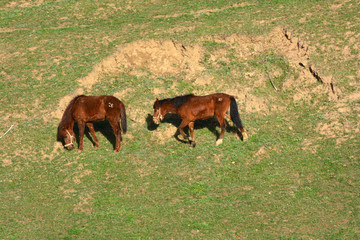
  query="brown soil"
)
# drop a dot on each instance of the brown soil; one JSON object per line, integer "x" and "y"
{"x": 158, "y": 57}
{"x": 206, "y": 11}
{"x": 22, "y": 4}
{"x": 164, "y": 135}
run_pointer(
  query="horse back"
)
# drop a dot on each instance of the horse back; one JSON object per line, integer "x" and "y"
{"x": 202, "y": 107}
{"x": 95, "y": 108}
{"x": 212, "y": 101}
{"x": 221, "y": 100}
{"x": 112, "y": 102}
{"x": 88, "y": 108}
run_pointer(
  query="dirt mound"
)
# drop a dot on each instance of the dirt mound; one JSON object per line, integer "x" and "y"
{"x": 158, "y": 57}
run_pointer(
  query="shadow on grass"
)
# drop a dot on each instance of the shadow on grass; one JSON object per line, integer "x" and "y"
{"x": 211, "y": 124}
{"x": 102, "y": 127}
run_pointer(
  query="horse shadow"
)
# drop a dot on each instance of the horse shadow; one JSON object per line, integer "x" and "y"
{"x": 211, "y": 124}
{"x": 102, "y": 127}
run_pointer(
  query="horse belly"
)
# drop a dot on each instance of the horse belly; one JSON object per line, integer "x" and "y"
{"x": 203, "y": 112}
{"x": 99, "y": 116}
{"x": 89, "y": 114}
{"x": 98, "y": 113}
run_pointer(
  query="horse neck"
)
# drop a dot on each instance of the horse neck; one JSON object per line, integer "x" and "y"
{"x": 70, "y": 125}
{"x": 67, "y": 121}
{"x": 168, "y": 107}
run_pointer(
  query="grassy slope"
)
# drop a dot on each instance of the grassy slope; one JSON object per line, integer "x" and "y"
{"x": 153, "y": 190}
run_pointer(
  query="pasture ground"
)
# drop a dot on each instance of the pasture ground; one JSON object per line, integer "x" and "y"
{"x": 297, "y": 176}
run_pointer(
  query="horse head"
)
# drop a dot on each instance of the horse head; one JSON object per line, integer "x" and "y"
{"x": 68, "y": 136}
{"x": 157, "y": 117}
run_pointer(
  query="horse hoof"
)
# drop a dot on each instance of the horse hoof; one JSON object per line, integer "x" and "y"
{"x": 218, "y": 142}
{"x": 183, "y": 138}
{"x": 245, "y": 136}
{"x": 192, "y": 145}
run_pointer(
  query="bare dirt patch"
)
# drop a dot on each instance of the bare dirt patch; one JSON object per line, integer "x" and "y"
{"x": 84, "y": 205}
{"x": 6, "y": 162}
{"x": 206, "y": 11}
{"x": 336, "y": 124}
{"x": 158, "y": 57}
{"x": 309, "y": 144}
{"x": 164, "y": 135}
{"x": 204, "y": 79}
{"x": 54, "y": 152}
{"x": 124, "y": 93}
{"x": 22, "y": 4}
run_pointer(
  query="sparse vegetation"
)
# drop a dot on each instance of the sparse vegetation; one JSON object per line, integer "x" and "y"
{"x": 296, "y": 177}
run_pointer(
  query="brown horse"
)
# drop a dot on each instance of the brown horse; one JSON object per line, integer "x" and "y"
{"x": 88, "y": 109}
{"x": 191, "y": 108}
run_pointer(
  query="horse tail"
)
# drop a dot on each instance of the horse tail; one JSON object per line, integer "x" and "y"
{"x": 234, "y": 113}
{"x": 123, "y": 118}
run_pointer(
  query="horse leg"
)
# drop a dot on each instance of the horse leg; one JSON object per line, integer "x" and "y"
{"x": 222, "y": 123}
{"x": 81, "y": 126}
{"x": 244, "y": 134}
{"x": 92, "y": 131}
{"x": 191, "y": 138}
{"x": 228, "y": 116}
{"x": 117, "y": 131}
{"x": 180, "y": 129}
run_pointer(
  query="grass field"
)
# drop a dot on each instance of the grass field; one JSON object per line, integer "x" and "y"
{"x": 296, "y": 177}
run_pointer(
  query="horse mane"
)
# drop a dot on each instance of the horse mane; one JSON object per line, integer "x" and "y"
{"x": 66, "y": 119}
{"x": 177, "y": 101}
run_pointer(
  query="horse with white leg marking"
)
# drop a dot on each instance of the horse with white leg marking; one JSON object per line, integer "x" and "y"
{"x": 191, "y": 108}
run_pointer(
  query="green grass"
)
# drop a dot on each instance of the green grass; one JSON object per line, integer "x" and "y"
{"x": 288, "y": 181}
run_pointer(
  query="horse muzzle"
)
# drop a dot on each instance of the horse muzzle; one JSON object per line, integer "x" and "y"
{"x": 69, "y": 146}
{"x": 156, "y": 120}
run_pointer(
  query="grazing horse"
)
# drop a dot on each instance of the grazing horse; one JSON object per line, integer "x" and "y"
{"x": 88, "y": 109}
{"x": 191, "y": 108}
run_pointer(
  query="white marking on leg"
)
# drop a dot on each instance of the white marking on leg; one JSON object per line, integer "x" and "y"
{"x": 245, "y": 136}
